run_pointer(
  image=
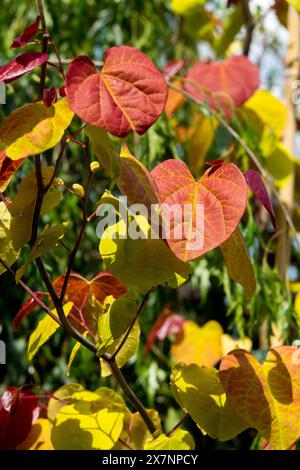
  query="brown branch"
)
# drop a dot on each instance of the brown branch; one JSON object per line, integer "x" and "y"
{"x": 180, "y": 422}
{"x": 250, "y": 25}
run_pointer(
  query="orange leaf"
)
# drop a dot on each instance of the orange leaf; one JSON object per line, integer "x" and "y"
{"x": 266, "y": 396}
{"x": 206, "y": 212}
{"x": 80, "y": 291}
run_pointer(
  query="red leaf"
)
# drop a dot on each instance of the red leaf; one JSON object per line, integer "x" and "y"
{"x": 257, "y": 185}
{"x": 223, "y": 84}
{"x": 62, "y": 91}
{"x": 206, "y": 211}
{"x": 27, "y": 34}
{"x": 172, "y": 68}
{"x": 26, "y": 309}
{"x": 50, "y": 96}
{"x": 18, "y": 411}
{"x": 129, "y": 93}
{"x": 80, "y": 291}
{"x": 7, "y": 169}
{"x": 22, "y": 64}
{"x": 168, "y": 323}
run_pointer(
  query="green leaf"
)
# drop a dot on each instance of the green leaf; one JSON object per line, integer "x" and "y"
{"x": 128, "y": 350}
{"x": 114, "y": 323}
{"x": 199, "y": 392}
{"x": 238, "y": 262}
{"x": 142, "y": 263}
{"x": 22, "y": 207}
{"x": 8, "y": 252}
{"x": 179, "y": 440}
{"x": 44, "y": 330}
{"x": 280, "y": 164}
{"x": 47, "y": 241}
{"x": 231, "y": 27}
{"x": 104, "y": 150}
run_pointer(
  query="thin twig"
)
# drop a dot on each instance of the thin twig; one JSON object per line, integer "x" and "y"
{"x": 180, "y": 422}
{"x": 250, "y": 25}
{"x": 31, "y": 293}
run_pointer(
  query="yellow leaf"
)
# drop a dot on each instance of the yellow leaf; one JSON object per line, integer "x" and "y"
{"x": 295, "y": 3}
{"x": 201, "y": 142}
{"x": 44, "y": 330}
{"x": 269, "y": 109}
{"x": 200, "y": 393}
{"x": 135, "y": 432}
{"x": 34, "y": 128}
{"x": 8, "y": 252}
{"x": 179, "y": 440}
{"x": 229, "y": 343}
{"x": 238, "y": 262}
{"x": 39, "y": 437}
{"x": 73, "y": 354}
{"x": 183, "y": 7}
{"x": 22, "y": 207}
{"x": 198, "y": 345}
{"x": 280, "y": 164}
{"x": 141, "y": 263}
{"x": 62, "y": 396}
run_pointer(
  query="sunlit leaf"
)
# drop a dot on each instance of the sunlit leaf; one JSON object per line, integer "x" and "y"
{"x": 198, "y": 345}
{"x": 44, "y": 330}
{"x": 238, "y": 262}
{"x": 179, "y": 440}
{"x": 141, "y": 263}
{"x": 22, "y": 64}
{"x": 206, "y": 211}
{"x": 8, "y": 250}
{"x": 104, "y": 150}
{"x": 128, "y": 95}
{"x": 199, "y": 392}
{"x": 269, "y": 109}
{"x": 34, "y": 128}
{"x": 39, "y": 437}
{"x": 266, "y": 396}
{"x": 7, "y": 169}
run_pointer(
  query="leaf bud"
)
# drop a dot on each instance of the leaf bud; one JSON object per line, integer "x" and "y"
{"x": 95, "y": 166}
{"x": 78, "y": 190}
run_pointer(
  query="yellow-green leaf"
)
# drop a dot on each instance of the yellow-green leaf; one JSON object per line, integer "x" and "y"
{"x": 48, "y": 240}
{"x": 114, "y": 323}
{"x": 104, "y": 150}
{"x": 22, "y": 207}
{"x": 128, "y": 350}
{"x": 238, "y": 262}
{"x": 44, "y": 330}
{"x": 269, "y": 109}
{"x": 200, "y": 393}
{"x": 184, "y": 7}
{"x": 179, "y": 440}
{"x": 201, "y": 141}
{"x": 8, "y": 252}
{"x": 141, "y": 263}
{"x": 34, "y": 128}
{"x": 280, "y": 164}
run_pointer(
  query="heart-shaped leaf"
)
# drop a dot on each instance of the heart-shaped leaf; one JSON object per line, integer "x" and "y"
{"x": 34, "y": 128}
{"x": 128, "y": 95}
{"x": 22, "y": 64}
{"x": 223, "y": 84}
{"x": 266, "y": 396}
{"x": 199, "y": 392}
{"x": 199, "y": 215}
